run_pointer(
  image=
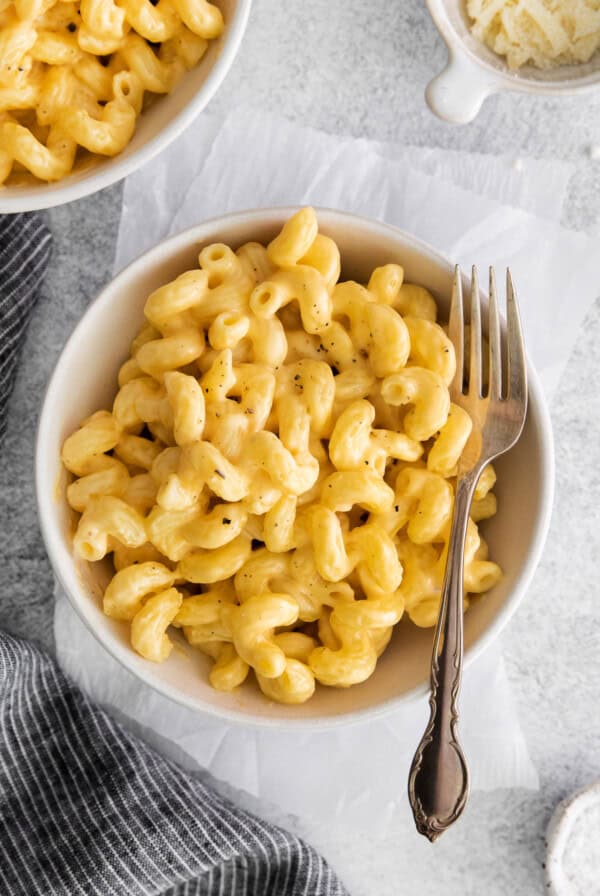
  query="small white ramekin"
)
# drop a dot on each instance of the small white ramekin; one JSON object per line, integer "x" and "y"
{"x": 474, "y": 72}
{"x": 84, "y": 380}
{"x": 563, "y": 823}
{"x": 159, "y": 125}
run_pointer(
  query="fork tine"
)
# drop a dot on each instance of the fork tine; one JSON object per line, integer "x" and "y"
{"x": 456, "y": 330}
{"x": 517, "y": 365}
{"x": 495, "y": 364}
{"x": 475, "y": 365}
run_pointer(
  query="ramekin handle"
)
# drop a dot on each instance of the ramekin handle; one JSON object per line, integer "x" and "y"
{"x": 457, "y": 93}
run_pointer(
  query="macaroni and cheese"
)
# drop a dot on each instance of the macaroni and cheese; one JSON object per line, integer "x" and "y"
{"x": 543, "y": 33}
{"x": 75, "y": 76}
{"x": 276, "y": 475}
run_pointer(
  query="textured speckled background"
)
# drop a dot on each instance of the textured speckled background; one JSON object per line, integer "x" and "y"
{"x": 359, "y": 68}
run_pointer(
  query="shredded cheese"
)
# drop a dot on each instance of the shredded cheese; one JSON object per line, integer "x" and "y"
{"x": 543, "y": 33}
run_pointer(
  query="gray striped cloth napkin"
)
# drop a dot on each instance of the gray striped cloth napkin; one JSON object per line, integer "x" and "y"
{"x": 86, "y": 809}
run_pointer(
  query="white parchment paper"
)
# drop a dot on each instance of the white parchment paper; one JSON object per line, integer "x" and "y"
{"x": 477, "y": 209}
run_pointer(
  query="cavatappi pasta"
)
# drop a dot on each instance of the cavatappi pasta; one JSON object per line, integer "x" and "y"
{"x": 276, "y": 475}
{"x": 74, "y": 76}
{"x": 543, "y": 33}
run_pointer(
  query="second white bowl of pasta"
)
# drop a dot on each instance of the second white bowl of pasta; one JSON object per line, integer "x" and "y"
{"x": 89, "y": 92}
{"x": 246, "y": 495}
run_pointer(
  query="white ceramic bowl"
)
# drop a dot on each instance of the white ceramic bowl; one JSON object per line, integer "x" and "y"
{"x": 474, "y": 71}
{"x": 159, "y": 125}
{"x": 573, "y": 825}
{"x": 84, "y": 380}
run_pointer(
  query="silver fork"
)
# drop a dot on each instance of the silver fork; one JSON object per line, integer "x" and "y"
{"x": 438, "y": 783}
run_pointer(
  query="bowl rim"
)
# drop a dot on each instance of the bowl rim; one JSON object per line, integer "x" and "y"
{"x": 504, "y": 79}
{"x": 38, "y": 197}
{"x": 61, "y": 560}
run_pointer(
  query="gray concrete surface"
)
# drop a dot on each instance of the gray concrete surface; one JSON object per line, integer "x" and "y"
{"x": 359, "y": 68}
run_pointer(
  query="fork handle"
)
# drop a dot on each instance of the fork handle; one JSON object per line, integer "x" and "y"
{"x": 438, "y": 783}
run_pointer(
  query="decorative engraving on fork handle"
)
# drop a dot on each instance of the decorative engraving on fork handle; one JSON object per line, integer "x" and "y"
{"x": 438, "y": 800}
{"x": 438, "y": 784}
